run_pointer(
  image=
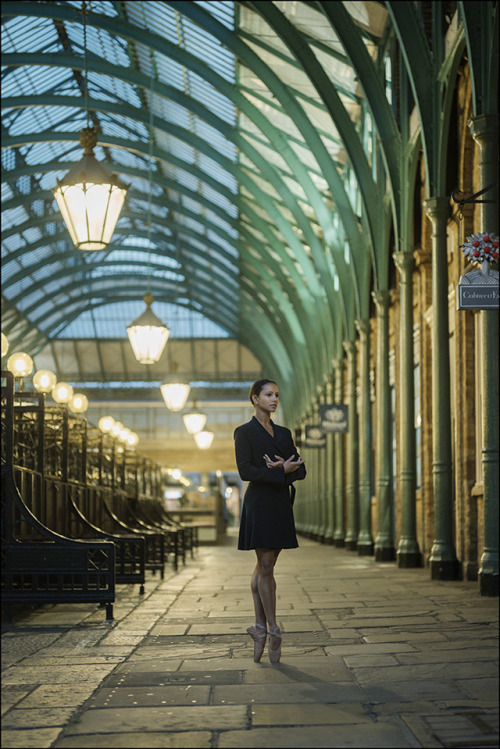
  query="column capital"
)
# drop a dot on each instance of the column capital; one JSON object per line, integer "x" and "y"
{"x": 404, "y": 262}
{"x": 381, "y": 298}
{"x": 363, "y": 327}
{"x": 349, "y": 347}
{"x": 484, "y": 128}
{"x": 437, "y": 207}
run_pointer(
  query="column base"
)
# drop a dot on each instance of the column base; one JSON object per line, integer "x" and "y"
{"x": 365, "y": 550}
{"x": 445, "y": 569}
{"x": 488, "y": 584}
{"x": 351, "y": 545}
{"x": 338, "y": 542}
{"x": 409, "y": 559}
{"x": 385, "y": 554}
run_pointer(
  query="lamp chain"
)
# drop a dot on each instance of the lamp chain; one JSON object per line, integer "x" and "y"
{"x": 150, "y": 169}
{"x": 85, "y": 13}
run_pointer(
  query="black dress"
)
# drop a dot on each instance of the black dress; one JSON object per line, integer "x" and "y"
{"x": 267, "y": 514}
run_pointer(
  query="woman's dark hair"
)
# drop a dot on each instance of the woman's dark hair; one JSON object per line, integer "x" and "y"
{"x": 257, "y": 387}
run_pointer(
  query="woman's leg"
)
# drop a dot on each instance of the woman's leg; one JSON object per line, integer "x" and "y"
{"x": 260, "y": 614}
{"x": 265, "y": 596}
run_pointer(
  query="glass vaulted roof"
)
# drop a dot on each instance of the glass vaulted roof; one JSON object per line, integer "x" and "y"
{"x": 212, "y": 113}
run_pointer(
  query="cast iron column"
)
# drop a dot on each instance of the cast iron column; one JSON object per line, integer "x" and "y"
{"x": 365, "y": 539}
{"x": 485, "y": 132}
{"x": 339, "y": 442}
{"x": 408, "y": 553}
{"x": 329, "y": 472}
{"x": 443, "y": 559}
{"x": 384, "y": 542}
{"x": 350, "y": 540}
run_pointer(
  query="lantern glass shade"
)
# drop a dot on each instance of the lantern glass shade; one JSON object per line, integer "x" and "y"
{"x": 106, "y": 424}
{"x": 175, "y": 394}
{"x": 132, "y": 439}
{"x": 116, "y": 429}
{"x": 148, "y": 335}
{"x": 62, "y": 392}
{"x": 5, "y": 344}
{"x": 194, "y": 421}
{"x": 204, "y": 439}
{"x": 90, "y": 198}
{"x": 78, "y": 404}
{"x": 44, "y": 380}
{"x": 20, "y": 364}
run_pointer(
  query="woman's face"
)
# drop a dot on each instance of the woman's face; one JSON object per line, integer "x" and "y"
{"x": 268, "y": 398}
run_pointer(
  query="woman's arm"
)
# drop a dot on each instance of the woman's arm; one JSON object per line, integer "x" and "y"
{"x": 247, "y": 469}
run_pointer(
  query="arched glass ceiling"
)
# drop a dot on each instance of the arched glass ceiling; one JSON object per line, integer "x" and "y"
{"x": 255, "y": 205}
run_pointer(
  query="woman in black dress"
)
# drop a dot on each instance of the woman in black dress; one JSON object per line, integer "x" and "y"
{"x": 267, "y": 458}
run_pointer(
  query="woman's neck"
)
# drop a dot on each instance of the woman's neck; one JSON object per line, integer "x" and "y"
{"x": 264, "y": 418}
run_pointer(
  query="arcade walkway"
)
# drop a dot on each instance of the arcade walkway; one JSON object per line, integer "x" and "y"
{"x": 373, "y": 656}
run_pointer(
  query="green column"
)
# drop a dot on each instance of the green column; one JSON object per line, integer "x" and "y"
{"x": 384, "y": 542}
{"x": 365, "y": 539}
{"x": 318, "y": 465}
{"x": 408, "y": 553}
{"x": 339, "y": 453}
{"x": 329, "y": 472}
{"x": 485, "y": 132}
{"x": 351, "y": 538}
{"x": 443, "y": 559}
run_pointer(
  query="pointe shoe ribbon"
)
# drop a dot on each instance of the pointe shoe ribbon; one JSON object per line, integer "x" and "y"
{"x": 258, "y": 633}
{"x": 275, "y": 655}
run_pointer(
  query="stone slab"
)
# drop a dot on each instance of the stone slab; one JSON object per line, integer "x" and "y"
{"x": 180, "y": 694}
{"x": 170, "y": 718}
{"x": 149, "y": 740}
{"x": 374, "y": 736}
{"x": 30, "y": 738}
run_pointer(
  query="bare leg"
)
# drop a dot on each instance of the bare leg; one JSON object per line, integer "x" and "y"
{"x": 266, "y": 588}
{"x": 260, "y": 614}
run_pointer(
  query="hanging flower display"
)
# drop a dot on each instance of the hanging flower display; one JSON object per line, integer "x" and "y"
{"x": 481, "y": 247}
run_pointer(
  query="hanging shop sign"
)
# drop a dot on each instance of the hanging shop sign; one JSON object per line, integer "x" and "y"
{"x": 479, "y": 289}
{"x": 334, "y": 418}
{"x": 314, "y": 436}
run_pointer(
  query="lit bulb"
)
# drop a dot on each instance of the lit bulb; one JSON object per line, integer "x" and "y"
{"x": 5, "y": 344}
{"x": 44, "y": 380}
{"x": 106, "y": 424}
{"x": 20, "y": 364}
{"x": 62, "y": 392}
{"x": 79, "y": 403}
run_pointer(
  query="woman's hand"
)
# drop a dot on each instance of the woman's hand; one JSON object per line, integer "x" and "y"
{"x": 289, "y": 465}
{"x": 274, "y": 463}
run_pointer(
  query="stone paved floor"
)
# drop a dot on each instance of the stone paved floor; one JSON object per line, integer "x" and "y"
{"x": 373, "y": 656}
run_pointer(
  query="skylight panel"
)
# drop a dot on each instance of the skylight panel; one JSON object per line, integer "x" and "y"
{"x": 14, "y": 217}
{"x": 222, "y": 11}
{"x": 211, "y": 97}
{"x": 26, "y": 34}
{"x": 32, "y": 79}
{"x": 99, "y": 43}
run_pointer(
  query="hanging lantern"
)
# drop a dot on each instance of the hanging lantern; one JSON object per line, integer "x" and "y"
{"x": 204, "y": 439}
{"x": 90, "y": 198}
{"x": 44, "y": 380}
{"x": 194, "y": 420}
{"x": 148, "y": 335}
{"x": 175, "y": 393}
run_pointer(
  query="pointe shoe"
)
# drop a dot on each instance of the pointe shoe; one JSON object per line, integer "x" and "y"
{"x": 274, "y": 655}
{"x": 258, "y": 633}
